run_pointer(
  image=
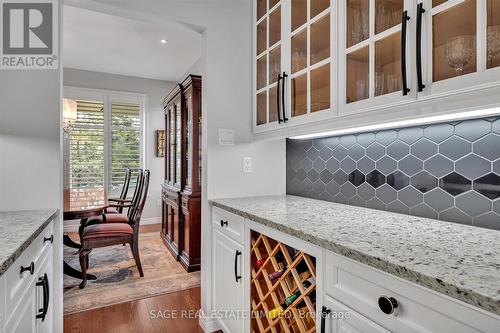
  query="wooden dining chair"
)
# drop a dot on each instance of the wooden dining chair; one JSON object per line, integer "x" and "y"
{"x": 116, "y": 206}
{"x": 109, "y": 234}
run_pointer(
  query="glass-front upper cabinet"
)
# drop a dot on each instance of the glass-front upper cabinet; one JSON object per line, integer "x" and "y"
{"x": 268, "y": 63}
{"x": 460, "y": 45}
{"x": 376, "y": 56}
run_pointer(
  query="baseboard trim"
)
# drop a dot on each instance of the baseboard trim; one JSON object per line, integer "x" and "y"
{"x": 209, "y": 325}
{"x": 72, "y": 226}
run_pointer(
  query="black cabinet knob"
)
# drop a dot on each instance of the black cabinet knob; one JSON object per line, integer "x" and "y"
{"x": 30, "y": 268}
{"x": 223, "y": 223}
{"x": 49, "y": 239}
{"x": 388, "y": 305}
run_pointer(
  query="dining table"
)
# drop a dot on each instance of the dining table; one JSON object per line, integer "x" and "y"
{"x": 81, "y": 204}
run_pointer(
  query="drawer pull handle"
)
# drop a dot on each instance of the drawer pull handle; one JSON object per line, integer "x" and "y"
{"x": 324, "y": 313}
{"x": 30, "y": 268}
{"x": 44, "y": 283}
{"x": 49, "y": 239}
{"x": 223, "y": 223}
{"x": 388, "y": 305}
{"x": 236, "y": 276}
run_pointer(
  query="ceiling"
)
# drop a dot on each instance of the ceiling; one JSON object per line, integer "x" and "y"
{"x": 111, "y": 44}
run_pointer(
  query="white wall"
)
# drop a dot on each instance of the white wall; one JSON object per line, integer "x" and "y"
{"x": 155, "y": 90}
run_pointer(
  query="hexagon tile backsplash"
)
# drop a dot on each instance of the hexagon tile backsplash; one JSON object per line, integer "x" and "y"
{"x": 448, "y": 171}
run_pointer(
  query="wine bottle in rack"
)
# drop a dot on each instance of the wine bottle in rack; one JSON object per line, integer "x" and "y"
{"x": 306, "y": 284}
{"x": 277, "y": 311}
{"x": 301, "y": 268}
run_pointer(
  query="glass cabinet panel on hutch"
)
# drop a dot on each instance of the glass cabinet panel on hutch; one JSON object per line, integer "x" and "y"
{"x": 460, "y": 46}
{"x": 376, "y": 57}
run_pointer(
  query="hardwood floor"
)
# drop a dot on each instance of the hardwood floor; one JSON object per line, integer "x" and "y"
{"x": 143, "y": 315}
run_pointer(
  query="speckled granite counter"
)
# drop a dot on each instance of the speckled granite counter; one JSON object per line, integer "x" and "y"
{"x": 18, "y": 230}
{"x": 457, "y": 260}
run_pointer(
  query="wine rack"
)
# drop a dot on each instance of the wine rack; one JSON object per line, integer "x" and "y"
{"x": 283, "y": 288}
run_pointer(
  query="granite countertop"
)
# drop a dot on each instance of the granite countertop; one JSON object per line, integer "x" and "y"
{"x": 460, "y": 261}
{"x": 18, "y": 230}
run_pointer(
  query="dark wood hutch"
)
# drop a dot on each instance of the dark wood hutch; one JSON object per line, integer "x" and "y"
{"x": 181, "y": 191}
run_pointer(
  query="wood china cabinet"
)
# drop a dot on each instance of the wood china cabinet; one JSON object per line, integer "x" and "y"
{"x": 317, "y": 60}
{"x": 182, "y": 187}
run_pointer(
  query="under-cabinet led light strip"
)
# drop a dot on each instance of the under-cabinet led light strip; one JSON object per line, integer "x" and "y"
{"x": 403, "y": 123}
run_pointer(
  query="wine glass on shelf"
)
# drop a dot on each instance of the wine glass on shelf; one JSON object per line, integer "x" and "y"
{"x": 459, "y": 51}
{"x": 493, "y": 41}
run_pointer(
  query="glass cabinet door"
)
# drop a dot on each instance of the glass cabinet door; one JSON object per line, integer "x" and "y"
{"x": 178, "y": 146}
{"x": 311, "y": 57}
{"x": 267, "y": 60}
{"x": 373, "y": 39}
{"x": 462, "y": 44}
{"x": 172, "y": 141}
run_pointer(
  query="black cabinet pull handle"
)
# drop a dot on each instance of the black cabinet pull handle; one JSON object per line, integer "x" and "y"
{"x": 223, "y": 223}
{"x": 278, "y": 99}
{"x": 236, "y": 276}
{"x": 404, "y": 24}
{"x": 324, "y": 312}
{"x": 420, "y": 12}
{"x": 44, "y": 283}
{"x": 388, "y": 305}
{"x": 30, "y": 268}
{"x": 49, "y": 239}
{"x": 285, "y": 119}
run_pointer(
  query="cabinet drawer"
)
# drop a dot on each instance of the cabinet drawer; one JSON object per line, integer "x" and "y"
{"x": 228, "y": 223}
{"x": 419, "y": 309}
{"x": 17, "y": 283}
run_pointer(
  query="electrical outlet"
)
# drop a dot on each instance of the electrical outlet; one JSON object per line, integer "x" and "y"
{"x": 247, "y": 165}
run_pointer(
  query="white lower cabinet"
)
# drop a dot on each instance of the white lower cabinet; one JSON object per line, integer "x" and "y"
{"x": 341, "y": 319}
{"x": 29, "y": 295}
{"x": 228, "y": 289}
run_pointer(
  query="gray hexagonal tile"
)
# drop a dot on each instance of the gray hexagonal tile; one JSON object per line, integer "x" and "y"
{"x": 301, "y": 175}
{"x": 423, "y": 149}
{"x": 356, "y": 178}
{"x": 387, "y": 165}
{"x": 473, "y": 129}
{"x": 455, "y": 215}
{"x": 318, "y": 144}
{"x": 318, "y": 187}
{"x": 386, "y": 193}
{"x": 410, "y": 165}
{"x": 332, "y": 164}
{"x": 454, "y": 148}
{"x": 473, "y": 166}
{"x": 496, "y": 206}
{"x": 339, "y": 153}
{"x": 307, "y": 165}
{"x": 300, "y": 154}
{"x": 410, "y": 134}
{"x": 375, "y": 151}
{"x": 348, "y": 165}
{"x": 398, "y": 207}
{"x": 325, "y": 153}
{"x": 455, "y": 184}
{"x": 438, "y": 132}
{"x": 398, "y": 180}
{"x": 306, "y": 186}
{"x": 386, "y": 137}
{"x": 410, "y": 196}
{"x": 473, "y": 204}
{"x": 489, "y": 220}
{"x": 347, "y": 140}
{"x": 333, "y": 188}
{"x": 438, "y": 166}
{"x": 340, "y": 177}
{"x": 312, "y": 153}
{"x": 439, "y": 200}
{"x": 496, "y": 126}
{"x": 356, "y": 152}
{"x": 365, "y": 165}
{"x": 423, "y": 210}
{"x": 375, "y": 178}
{"x": 366, "y": 191}
{"x": 488, "y": 147}
{"x": 348, "y": 190}
{"x": 398, "y": 150}
{"x": 375, "y": 203}
{"x": 488, "y": 185}
{"x": 326, "y": 176}
{"x": 319, "y": 165}
{"x": 332, "y": 142}
{"x": 365, "y": 139}
{"x": 325, "y": 196}
{"x": 340, "y": 198}
{"x": 313, "y": 175}
{"x": 496, "y": 167}
{"x": 357, "y": 201}
{"x": 424, "y": 181}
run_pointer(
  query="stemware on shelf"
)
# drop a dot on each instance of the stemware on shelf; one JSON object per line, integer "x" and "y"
{"x": 459, "y": 52}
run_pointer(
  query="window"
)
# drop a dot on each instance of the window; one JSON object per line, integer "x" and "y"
{"x": 105, "y": 140}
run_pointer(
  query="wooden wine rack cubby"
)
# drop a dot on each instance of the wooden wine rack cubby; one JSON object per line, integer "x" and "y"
{"x": 268, "y": 294}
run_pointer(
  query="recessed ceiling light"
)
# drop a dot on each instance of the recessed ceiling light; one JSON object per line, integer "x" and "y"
{"x": 163, "y": 41}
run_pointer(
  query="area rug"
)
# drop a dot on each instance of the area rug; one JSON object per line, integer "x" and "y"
{"x": 118, "y": 280}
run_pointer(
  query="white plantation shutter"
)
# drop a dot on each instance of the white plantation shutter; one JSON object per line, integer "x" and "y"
{"x": 125, "y": 142}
